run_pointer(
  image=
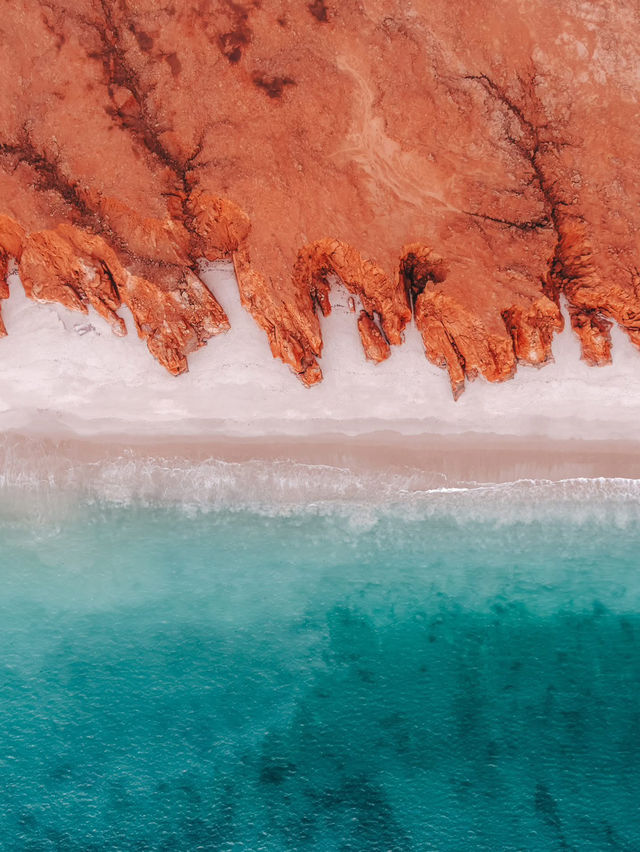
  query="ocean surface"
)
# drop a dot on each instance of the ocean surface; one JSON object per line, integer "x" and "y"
{"x": 448, "y": 669}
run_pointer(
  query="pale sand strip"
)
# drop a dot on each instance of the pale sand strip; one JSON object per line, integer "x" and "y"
{"x": 63, "y": 372}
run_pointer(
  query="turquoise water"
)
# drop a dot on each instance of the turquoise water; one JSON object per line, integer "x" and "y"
{"x": 453, "y": 676}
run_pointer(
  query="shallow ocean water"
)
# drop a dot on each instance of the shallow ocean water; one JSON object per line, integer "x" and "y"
{"x": 458, "y": 674}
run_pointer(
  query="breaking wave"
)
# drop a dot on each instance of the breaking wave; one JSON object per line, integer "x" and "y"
{"x": 41, "y": 476}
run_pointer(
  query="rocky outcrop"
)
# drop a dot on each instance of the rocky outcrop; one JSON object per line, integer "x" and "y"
{"x": 78, "y": 270}
{"x": 11, "y": 242}
{"x": 455, "y": 164}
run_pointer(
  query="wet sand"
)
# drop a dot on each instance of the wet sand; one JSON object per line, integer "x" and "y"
{"x": 426, "y": 459}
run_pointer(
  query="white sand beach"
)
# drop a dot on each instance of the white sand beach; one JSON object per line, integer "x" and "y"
{"x": 81, "y": 408}
{"x": 64, "y": 373}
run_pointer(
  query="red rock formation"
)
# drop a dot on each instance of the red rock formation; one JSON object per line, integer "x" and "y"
{"x": 11, "y": 242}
{"x": 464, "y": 162}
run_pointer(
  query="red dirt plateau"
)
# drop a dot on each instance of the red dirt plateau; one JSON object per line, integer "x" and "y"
{"x": 462, "y": 165}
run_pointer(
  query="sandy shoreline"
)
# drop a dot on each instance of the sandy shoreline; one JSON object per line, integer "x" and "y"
{"x": 79, "y": 408}
{"x": 66, "y": 375}
{"x": 450, "y": 459}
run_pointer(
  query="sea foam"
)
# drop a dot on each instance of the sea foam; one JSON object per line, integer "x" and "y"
{"x": 45, "y": 478}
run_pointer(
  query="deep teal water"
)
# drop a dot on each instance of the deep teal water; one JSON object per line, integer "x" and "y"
{"x": 319, "y": 681}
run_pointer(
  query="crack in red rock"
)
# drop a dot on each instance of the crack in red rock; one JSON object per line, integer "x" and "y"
{"x": 49, "y": 176}
{"x": 530, "y": 225}
{"x": 571, "y": 264}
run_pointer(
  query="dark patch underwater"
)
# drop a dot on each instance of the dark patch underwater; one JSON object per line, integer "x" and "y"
{"x": 235, "y": 682}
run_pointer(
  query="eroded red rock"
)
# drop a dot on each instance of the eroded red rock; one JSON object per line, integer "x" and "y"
{"x": 77, "y": 269}
{"x": 466, "y": 163}
{"x": 11, "y": 241}
{"x": 375, "y": 344}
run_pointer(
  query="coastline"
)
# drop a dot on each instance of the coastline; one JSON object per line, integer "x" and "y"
{"x": 82, "y": 409}
{"x": 66, "y": 375}
{"x": 463, "y": 458}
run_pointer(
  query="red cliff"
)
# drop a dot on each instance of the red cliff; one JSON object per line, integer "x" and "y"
{"x": 464, "y": 165}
